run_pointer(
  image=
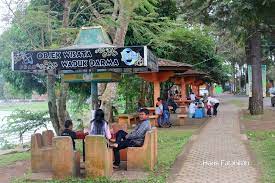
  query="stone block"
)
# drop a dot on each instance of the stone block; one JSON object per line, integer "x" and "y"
{"x": 41, "y": 152}
{"x": 98, "y": 161}
{"x": 65, "y": 161}
{"x": 145, "y": 157}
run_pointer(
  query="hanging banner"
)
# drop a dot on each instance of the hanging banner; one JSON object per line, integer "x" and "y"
{"x": 107, "y": 58}
{"x": 249, "y": 85}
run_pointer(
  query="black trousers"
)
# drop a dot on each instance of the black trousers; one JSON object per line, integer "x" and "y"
{"x": 215, "y": 109}
{"x": 122, "y": 144}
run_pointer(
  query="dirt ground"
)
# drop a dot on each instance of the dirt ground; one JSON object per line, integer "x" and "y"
{"x": 264, "y": 122}
{"x": 15, "y": 170}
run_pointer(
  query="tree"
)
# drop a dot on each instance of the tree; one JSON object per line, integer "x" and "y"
{"x": 248, "y": 20}
{"x": 193, "y": 46}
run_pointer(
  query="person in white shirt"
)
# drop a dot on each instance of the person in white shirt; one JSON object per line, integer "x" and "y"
{"x": 192, "y": 109}
{"x": 215, "y": 103}
{"x": 192, "y": 96}
{"x": 159, "y": 111}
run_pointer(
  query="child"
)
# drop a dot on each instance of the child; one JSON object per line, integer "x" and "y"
{"x": 69, "y": 131}
{"x": 208, "y": 108}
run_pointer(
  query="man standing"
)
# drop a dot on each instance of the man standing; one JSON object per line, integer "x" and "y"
{"x": 133, "y": 139}
{"x": 215, "y": 103}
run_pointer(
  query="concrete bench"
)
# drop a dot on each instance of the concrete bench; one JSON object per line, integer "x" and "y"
{"x": 181, "y": 119}
{"x": 145, "y": 157}
{"x": 128, "y": 119}
{"x": 99, "y": 158}
{"x": 41, "y": 151}
{"x": 65, "y": 161}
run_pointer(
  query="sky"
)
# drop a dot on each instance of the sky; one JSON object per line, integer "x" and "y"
{"x": 5, "y": 14}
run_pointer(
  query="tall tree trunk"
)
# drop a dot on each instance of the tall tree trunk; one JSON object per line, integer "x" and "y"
{"x": 62, "y": 112}
{"x": 256, "y": 106}
{"x": 52, "y": 102}
{"x": 66, "y": 13}
{"x": 110, "y": 92}
{"x": 57, "y": 104}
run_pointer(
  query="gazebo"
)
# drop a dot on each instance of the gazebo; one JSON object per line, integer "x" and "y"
{"x": 190, "y": 77}
{"x": 167, "y": 69}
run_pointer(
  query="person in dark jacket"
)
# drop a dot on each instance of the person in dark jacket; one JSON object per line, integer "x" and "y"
{"x": 68, "y": 131}
{"x": 133, "y": 139}
{"x": 172, "y": 103}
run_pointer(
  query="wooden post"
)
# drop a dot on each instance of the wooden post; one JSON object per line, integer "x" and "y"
{"x": 183, "y": 89}
{"x": 94, "y": 95}
{"x": 198, "y": 90}
{"x": 156, "y": 91}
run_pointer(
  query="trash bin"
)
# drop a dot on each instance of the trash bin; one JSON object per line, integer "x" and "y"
{"x": 199, "y": 113}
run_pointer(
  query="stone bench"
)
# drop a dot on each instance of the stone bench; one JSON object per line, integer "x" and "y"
{"x": 65, "y": 161}
{"x": 128, "y": 119}
{"x": 99, "y": 158}
{"x": 41, "y": 151}
{"x": 181, "y": 119}
{"x": 145, "y": 157}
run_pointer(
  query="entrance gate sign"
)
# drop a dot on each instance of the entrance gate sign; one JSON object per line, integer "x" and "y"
{"x": 137, "y": 58}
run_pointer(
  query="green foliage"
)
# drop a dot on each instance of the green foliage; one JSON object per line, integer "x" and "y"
{"x": 168, "y": 8}
{"x": 129, "y": 89}
{"x": 193, "y": 46}
{"x": 11, "y": 158}
{"x": 22, "y": 121}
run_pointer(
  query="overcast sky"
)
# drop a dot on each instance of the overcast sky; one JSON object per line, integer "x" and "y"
{"x": 5, "y": 14}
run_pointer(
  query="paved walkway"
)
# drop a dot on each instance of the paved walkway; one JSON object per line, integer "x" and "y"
{"x": 218, "y": 155}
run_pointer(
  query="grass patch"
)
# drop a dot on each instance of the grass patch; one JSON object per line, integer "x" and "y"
{"x": 11, "y": 158}
{"x": 33, "y": 106}
{"x": 248, "y": 117}
{"x": 263, "y": 143}
{"x": 238, "y": 103}
{"x": 267, "y": 116}
{"x": 170, "y": 144}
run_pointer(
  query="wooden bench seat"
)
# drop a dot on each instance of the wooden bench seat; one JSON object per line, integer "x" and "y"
{"x": 128, "y": 119}
{"x": 183, "y": 109}
{"x": 181, "y": 119}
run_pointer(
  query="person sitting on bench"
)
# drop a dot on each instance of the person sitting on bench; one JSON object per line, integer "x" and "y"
{"x": 133, "y": 139}
{"x": 99, "y": 126}
{"x": 68, "y": 131}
